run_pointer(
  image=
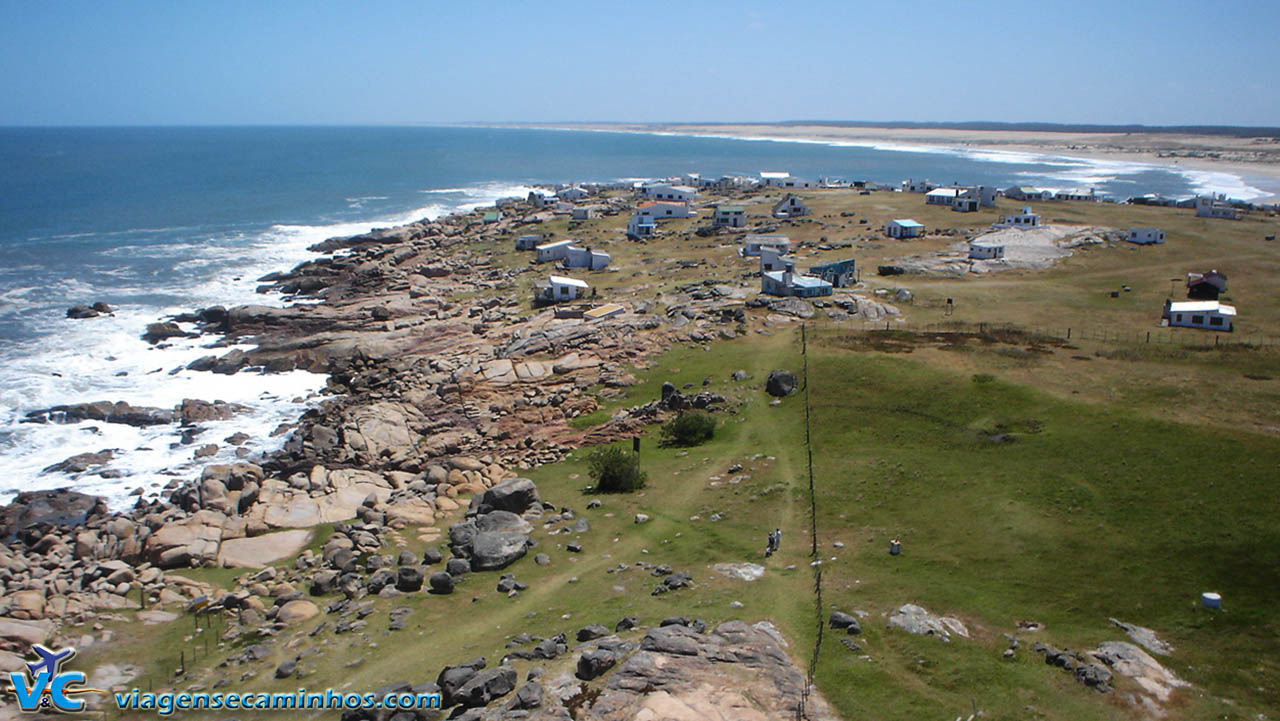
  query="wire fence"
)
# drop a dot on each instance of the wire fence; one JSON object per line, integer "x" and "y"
{"x": 802, "y": 709}
{"x": 1173, "y": 337}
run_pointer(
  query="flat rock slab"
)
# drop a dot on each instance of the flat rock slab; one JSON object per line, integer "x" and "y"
{"x": 258, "y": 551}
{"x": 740, "y": 571}
{"x": 155, "y": 618}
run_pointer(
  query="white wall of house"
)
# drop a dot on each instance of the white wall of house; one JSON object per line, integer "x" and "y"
{"x": 1146, "y": 236}
{"x": 772, "y": 259}
{"x": 985, "y": 251}
{"x": 901, "y": 228}
{"x": 551, "y": 252}
{"x": 674, "y": 193}
{"x": 730, "y": 217}
{"x": 1210, "y": 315}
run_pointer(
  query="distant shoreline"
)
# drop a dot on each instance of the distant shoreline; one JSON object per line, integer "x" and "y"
{"x": 1254, "y": 160}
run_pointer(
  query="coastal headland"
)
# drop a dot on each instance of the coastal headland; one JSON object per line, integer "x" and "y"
{"x": 1024, "y": 434}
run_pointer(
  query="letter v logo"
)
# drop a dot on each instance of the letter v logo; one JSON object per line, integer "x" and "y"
{"x": 29, "y": 696}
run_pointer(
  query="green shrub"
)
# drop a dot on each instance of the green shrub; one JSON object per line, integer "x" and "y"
{"x": 983, "y": 378}
{"x": 689, "y": 429}
{"x": 615, "y": 470}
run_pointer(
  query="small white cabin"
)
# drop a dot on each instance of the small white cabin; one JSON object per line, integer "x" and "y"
{"x": 1215, "y": 207}
{"x": 541, "y": 198}
{"x": 666, "y": 209}
{"x": 551, "y": 252}
{"x": 1022, "y": 221}
{"x": 1146, "y": 236}
{"x": 903, "y": 228}
{"x": 729, "y": 216}
{"x": 1076, "y": 194}
{"x": 559, "y": 288}
{"x": 571, "y": 193}
{"x": 575, "y": 257}
{"x": 772, "y": 259}
{"x": 941, "y": 196}
{"x": 979, "y": 250}
{"x": 585, "y": 212}
{"x": 916, "y": 186}
{"x": 1206, "y": 314}
{"x": 672, "y": 193}
{"x": 1025, "y": 192}
{"x": 755, "y": 244}
{"x": 641, "y": 225}
{"x": 790, "y": 207}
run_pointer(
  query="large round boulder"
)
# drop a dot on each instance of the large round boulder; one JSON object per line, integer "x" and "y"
{"x": 781, "y": 383}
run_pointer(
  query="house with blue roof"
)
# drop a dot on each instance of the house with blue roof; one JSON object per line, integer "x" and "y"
{"x": 787, "y": 283}
{"x": 903, "y": 228}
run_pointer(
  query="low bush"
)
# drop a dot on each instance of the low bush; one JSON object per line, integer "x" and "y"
{"x": 689, "y": 429}
{"x": 615, "y": 470}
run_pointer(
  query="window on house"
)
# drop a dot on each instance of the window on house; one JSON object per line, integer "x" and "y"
{"x": 1197, "y": 319}
{"x": 1178, "y": 317}
{"x": 1215, "y": 321}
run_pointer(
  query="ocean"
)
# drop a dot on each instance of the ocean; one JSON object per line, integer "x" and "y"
{"x": 157, "y": 221}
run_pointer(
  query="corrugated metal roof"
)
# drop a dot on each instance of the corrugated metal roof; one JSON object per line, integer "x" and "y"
{"x": 1201, "y": 306}
{"x": 561, "y": 280}
{"x": 907, "y": 223}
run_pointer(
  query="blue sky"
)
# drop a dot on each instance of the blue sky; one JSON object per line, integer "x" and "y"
{"x": 287, "y": 62}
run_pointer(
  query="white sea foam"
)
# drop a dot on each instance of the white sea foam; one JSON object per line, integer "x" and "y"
{"x": 104, "y": 358}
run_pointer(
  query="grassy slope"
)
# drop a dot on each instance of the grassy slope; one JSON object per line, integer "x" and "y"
{"x": 1100, "y": 512}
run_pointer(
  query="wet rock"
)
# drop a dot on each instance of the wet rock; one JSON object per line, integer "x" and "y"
{"x": 103, "y": 412}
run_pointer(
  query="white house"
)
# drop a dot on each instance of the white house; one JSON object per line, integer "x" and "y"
{"x": 773, "y": 178}
{"x": 903, "y": 228}
{"x": 793, "y": 182}
{"x": 571, "y": 193}
{"x": 755, "y": 244}
{"x": 772, "y": 259}
{"x": 965, "y": 203}
{"x": 528, "y": 242}
{"x": 559, "y": 288}
{"x": 1209, "y": 314}
{"x": 585, "y": 212}
{"x": 916, "y": 186}
{"x": 790, "y": 207}
{"x": 551, "y": 252}
{"x": 986, "y": 194}
{"x": 1076, "y": 194}
{"x": 662, "y": 210}
{"x": 980, "y": 250}
{"x": 729, "y": 216}
{"x": 541, "y": 198}
{"x": 1022, "y": 221}
{"x": 786, "y": 282}
{"x": 1146, "y": 236}
{"x": 575, "y": 257}
{"x": 1026, "y": 192}
{"x": 641, "y": 225}
{"x": 1208, "y": 206}
{"x": 941, "y": 196}
{"x": 673, "y": 193}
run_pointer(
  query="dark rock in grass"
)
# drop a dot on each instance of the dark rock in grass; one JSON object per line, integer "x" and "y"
{"x": 573, "y": 547}
{"x": 528, "y": 697}
{"x": 406, "y": 558}
{"x": 458, "y": 566}
{"x": 592, "y": 632}
{"x": 441, "y": 583}
{"x": 453, "y": 678}
{"x": 846, "y": 621}
{"x": 626, "y": 623}
{"x": 493, "y": 550}
{"x": 781, "y": 383}
{"x": 408, "y": 579}
{"x": 432, "y": 556}
{"x": 380, "y": 579}
{"x": 593, "y": 664}
{"x": 542, "y": 559}
{"x": 516, "y": 495}
{"x": 486, "y": 686}
{"x": 286, "y": 669}
{"x": 696, "y": 624}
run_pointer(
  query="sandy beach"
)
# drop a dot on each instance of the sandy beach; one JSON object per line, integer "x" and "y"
{"x": 1256, "y": 161}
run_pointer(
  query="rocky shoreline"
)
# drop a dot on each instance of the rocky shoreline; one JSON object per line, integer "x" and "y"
{"x": 429, "y": 401}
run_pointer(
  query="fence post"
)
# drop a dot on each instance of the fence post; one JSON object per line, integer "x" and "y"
{"x": 1068, "y": 334}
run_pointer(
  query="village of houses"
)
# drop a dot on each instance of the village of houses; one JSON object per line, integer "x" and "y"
{"x": 754, "y": 221}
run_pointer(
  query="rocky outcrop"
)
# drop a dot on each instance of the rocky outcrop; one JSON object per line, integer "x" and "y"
{"x": 38, "y": 512}
{"x": 104, "y": 412}
{"x": 915, "y": 619}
